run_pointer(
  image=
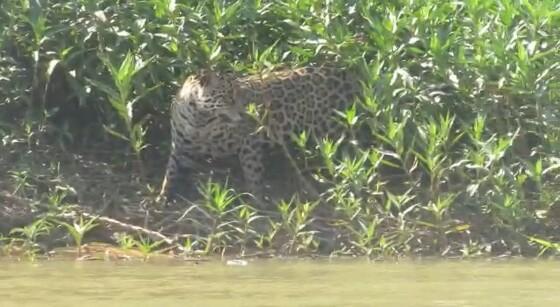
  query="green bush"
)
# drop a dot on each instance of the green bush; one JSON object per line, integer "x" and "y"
{"x": 459, "y": 132}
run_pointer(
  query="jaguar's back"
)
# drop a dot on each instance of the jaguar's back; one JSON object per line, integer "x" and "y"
{"x": 301, "y": 99}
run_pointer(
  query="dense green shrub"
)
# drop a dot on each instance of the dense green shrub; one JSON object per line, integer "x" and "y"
{"x": 459, "y": 131}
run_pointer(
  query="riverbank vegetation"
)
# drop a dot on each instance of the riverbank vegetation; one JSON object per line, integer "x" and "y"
{"x": 454, "y": 151}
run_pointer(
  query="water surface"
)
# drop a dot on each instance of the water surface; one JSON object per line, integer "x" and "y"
{"x": 280, "y": 283}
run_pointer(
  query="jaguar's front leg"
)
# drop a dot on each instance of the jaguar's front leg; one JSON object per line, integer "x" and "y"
{"x": 251, "y": 155}
{"x": 178, "y": 180}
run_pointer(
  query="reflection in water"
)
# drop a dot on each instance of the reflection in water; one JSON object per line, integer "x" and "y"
{"x": 274, "y": 283}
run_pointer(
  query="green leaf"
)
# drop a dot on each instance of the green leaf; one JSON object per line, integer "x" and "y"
{"x": 115, "y": 133}
{"x": 111, "y": 92}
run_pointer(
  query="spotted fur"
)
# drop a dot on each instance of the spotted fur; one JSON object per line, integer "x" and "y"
{"x": 208, "y": 116}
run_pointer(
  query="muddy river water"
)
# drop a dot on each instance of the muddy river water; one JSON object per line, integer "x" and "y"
{"x": 281, "y": 283}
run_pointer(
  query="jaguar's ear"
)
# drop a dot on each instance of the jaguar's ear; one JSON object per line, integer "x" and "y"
{"x": 207, "y": 77}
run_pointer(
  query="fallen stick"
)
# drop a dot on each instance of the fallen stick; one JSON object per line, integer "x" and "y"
{"x": 154, "y": 235}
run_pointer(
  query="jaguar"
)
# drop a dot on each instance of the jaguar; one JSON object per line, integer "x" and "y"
{"x": 209, "y": 117}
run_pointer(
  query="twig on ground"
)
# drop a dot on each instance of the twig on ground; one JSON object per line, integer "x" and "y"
{"x": 154, "y": 235}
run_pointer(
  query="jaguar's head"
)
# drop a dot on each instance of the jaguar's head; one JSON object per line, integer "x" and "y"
{"x": 210, "y": 93}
